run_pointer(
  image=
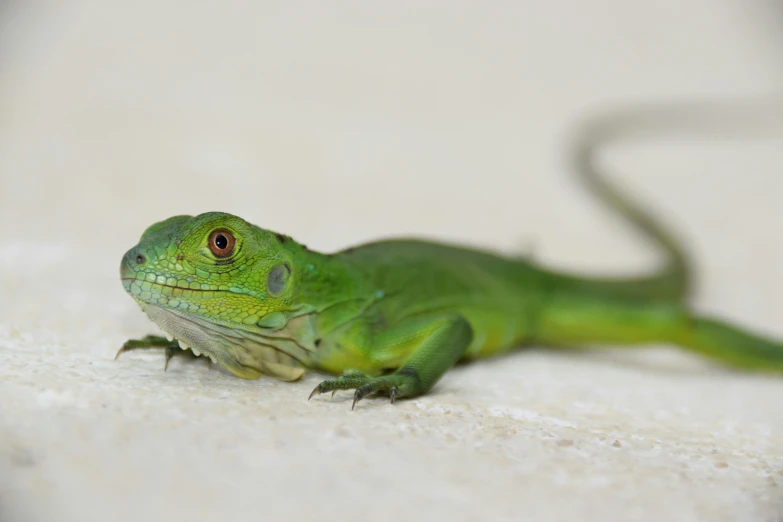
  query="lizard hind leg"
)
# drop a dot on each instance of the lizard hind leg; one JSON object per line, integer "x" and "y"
{"x": 434, "y": 343}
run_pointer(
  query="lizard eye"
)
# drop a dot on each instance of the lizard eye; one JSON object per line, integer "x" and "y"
{"x": 221, "y": 243}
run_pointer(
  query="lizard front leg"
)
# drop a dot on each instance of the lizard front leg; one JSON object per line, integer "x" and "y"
{"x": 435, "y": 344}
{"x": 172, "y": 347}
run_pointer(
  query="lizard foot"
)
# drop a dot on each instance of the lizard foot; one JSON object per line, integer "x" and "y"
{"x": 171, "y": 346}
{"x": 362, "y": 384}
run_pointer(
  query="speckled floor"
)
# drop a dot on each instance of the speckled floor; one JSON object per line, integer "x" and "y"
{"x": 344, "y": 123}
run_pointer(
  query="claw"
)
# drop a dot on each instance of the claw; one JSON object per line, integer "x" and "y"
{"x": 316, "y": 391}
{"x": 119, "y": 352}
{"x": 362, "y": 392}
{"x": 393, "y": 394}
{"x": 169, "y": 356}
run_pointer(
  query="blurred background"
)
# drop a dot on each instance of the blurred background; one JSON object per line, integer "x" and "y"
{"x": 340, "y": 122}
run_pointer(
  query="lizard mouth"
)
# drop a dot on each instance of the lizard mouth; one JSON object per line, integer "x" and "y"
{"x": 156, "y": 293}
{"x": 130, "y": 278}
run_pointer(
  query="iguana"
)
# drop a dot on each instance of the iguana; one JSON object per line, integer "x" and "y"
{"x": 393, "y": 316}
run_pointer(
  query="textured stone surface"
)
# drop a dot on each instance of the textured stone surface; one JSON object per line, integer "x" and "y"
{"x": 343, "y": 123}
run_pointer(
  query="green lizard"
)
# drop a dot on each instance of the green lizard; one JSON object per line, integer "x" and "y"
{"x": 394, "y": 316}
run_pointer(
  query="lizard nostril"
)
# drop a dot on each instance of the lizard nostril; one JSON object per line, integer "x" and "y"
{"x": 140, "y": 259}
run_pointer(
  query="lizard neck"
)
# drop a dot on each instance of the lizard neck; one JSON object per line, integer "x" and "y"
{"x": 323, "y": 280}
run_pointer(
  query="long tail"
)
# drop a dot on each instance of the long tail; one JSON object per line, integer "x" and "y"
{"x": 573, "y": 320}
{"x": 673, "y": 282}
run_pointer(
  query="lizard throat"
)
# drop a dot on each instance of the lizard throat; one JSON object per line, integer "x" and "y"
{"x": 244, "y": 353}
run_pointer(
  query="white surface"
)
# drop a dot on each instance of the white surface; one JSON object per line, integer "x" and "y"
{"x": 341, "y": 122}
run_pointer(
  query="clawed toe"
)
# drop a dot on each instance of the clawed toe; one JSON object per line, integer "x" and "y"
{"x": 317, "y": 391}
{"x": 171, "y": 347}
{"x": 362, "y": 384}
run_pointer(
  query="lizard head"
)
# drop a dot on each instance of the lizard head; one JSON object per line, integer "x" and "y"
{"x": 203, "y": 279}
{"x": 215, "y": 265}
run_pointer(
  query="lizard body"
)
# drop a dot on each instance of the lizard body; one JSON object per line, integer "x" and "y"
{"x": 394, "y": 316}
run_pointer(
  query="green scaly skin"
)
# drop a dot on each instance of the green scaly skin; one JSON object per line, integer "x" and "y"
{"x": 394, "y": 316}
{"x": 391, "y": 316}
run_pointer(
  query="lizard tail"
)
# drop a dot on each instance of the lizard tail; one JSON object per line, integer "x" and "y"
{"x": 744, "y": 119}
{"x": 673, "y": 282}
{"x": 583, "y": 320}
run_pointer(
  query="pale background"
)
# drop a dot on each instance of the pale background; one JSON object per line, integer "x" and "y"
{"x": 338, "y": 122}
